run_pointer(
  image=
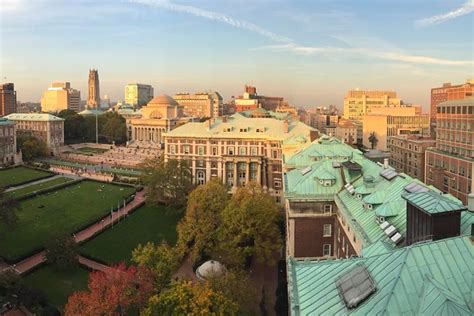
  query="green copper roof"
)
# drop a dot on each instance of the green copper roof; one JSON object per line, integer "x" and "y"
{"x": 324, "y": 147}
{"x": 391, "y": 208}
{"x": 377, "y": 248}
{"x": 428, "y": 279}
{"x": 432, "y": 202}
{"x": 33, "y": 117}
{"x": 378, "y": 197}
{"x": 4, "y": 121}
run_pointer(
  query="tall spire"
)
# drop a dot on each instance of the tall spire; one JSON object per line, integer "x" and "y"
{"x": 93, "y": 99}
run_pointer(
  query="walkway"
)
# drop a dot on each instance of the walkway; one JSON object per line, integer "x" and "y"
{"x": 37, "y": 259}
{"x": 94, "y": 265}
{"x": 40, "y": 181}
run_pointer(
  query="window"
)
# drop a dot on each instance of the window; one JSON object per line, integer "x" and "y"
{"x": 327, "y": 250}
{"x": 253, "y": 151}
{"x": 186, "y": 149}
{"x": 327, "y": 230}
{"x": 201, "y": 150}
{"x": 214, "y": 151}
{"x": 327, "y": 208}
{"x": 230, "y": 151}
{"x": 173, "y": 149}
{"x": 242, "y": 151}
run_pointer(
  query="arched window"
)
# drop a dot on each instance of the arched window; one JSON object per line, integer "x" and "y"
{"x": 200, "y": 177}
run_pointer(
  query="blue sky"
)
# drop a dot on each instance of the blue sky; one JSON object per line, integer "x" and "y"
{"x": 310, "y": 52}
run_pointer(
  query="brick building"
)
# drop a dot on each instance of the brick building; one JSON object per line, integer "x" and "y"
{"x": 449, "y": 165}
{"x": 407, "y": 154}
{"x": 7, "y": 99}
{"x": 449, "y": 92}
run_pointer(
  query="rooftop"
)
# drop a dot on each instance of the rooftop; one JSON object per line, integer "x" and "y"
{"x": 433, "y": 278}
{"x": 433, "y": 203}
{"x": 4, "y": 121}
{"x": 33, "y": 117}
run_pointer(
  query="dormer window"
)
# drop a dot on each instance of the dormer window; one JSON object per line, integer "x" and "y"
{"x": 260, "y": 130}
{"x": 227, "y": 129}
{"x": 244, "y": 130}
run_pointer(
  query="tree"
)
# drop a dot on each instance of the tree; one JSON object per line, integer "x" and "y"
{"x": 161, "y": 260}
{"x": 184, "y": 298}
{"x": 373, "y": 140}
{"x": 197, "y": 230}
{"x": 236, "y": 286}
{"x": 116, "y": 292}
{"x": 8, "y": 208}
{"x": 168, "y": 182}
{"x": 31, "y": 147}
{"x": 75, "y": 127}
{"x": 62, "y": 250}
{"x": 113, "y": 127}
{"x": 250, "y": 227}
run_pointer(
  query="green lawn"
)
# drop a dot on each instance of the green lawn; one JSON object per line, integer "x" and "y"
{"x": 39, "y": 186}
{"x": 58, "y": 284}
{"x": 19, "y": 175}
{"x": 148, "y": 223}
{"x": 91, "y": 150}
{"x": 63, "y": 211}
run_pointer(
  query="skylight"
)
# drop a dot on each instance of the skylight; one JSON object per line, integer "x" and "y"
{"x": 355, "y": 286}
{"x": 416, "y": 187}
{"x": 306, "y": 170}
{"x": 388, "y": 174}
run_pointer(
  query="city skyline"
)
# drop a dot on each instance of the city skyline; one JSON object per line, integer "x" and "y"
{"x": 310, "y": 53}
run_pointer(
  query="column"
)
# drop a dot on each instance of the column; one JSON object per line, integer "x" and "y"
{"x": 259, "y": 173}
{"x": 247, "y": 172}
{"x": 235, "y": 174}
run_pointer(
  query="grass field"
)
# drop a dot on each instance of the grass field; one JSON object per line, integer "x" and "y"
{"x": 148, "y": 223}
{"x": 39, "y": 186}
{"x": 16, "y": 176}
{"x": 58, "y": 284}
{"x": 63, "y": 211}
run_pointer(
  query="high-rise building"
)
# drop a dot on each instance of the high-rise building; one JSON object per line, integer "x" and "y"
{"x": 60, "y": 96}
{"x": 93, "y": 99}
{"x": 201, "y": 104}
{"x": 7, "y": 99}
{"x": 250, "y": 100}
{"x": 346, "y": 131}
{"x": 407, "y": 154}
{"x": 449, "y": 92}
{"x": 137, "y": 94}
{"x": 358, "y": 103}
{"x": 449, "y": 166}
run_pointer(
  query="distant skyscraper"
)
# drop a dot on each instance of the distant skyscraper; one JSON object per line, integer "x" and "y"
{"x": 7, "y": 99}
{"x": 60, "y": 96}
{"x": 137, "y": 94}
{"x": 93, "y": 100}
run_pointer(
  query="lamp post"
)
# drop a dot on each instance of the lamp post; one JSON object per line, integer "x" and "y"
{"x": 96, "y": 128}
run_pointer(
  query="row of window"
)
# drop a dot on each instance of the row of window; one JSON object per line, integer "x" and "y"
{"x": 6, "y": 132}
{"x": 455, "y": 109}
{"x": 242, "y": 151}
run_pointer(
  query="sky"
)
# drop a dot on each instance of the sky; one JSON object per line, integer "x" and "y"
{"x": 310, "y": 52}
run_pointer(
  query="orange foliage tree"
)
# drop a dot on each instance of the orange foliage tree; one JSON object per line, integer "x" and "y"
{"x": 112, "y": 293}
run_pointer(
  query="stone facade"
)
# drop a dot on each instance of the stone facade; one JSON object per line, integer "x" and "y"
{"x": 201, "y": 104}
{"x": 8, "y": 155}
{"x": 60, "y": 96}
{"x": 93, "y": 99}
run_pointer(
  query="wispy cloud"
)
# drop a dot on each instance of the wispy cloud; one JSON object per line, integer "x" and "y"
{"x": 466, "y": 8}
{"x": 383, "y": 55}
{"x": 211, "y": 15}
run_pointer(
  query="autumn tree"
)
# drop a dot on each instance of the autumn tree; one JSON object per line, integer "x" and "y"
{"x": 113, "y": 127}
{"x": 117, "y": 292}
{"x": 62, "y": 251}
{"x": 186, "y": 298}
{"x": 31, "y": 147}
{"x": 168, "y": 182}
{"x": 250, "y": 227}
{"x": 8, "y": 208}
{"x": 162, "y": 260}
{"x": 75, "y": 127}
{"x": 197, "y": 230}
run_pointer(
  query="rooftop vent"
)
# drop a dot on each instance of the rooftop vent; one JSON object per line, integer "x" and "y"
{"x": 397, "y": 238}
{"x": 355, "y": 286}
{"x": 350, "y": 188}
{"x": 415, "y": 187}
{"x": 384, "y": 225}
{"x": 391, "y": 231}
{"x": 388, "y": 174}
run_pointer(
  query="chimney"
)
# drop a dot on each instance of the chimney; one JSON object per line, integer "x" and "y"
{"x": 385, "y": 163}
{"x": 285, "y": 126}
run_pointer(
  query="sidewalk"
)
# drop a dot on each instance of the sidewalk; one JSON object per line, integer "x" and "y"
{"x": 37, "y": 259}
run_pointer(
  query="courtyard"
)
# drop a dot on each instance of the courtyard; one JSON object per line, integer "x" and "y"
{"x": 16, "y": 176}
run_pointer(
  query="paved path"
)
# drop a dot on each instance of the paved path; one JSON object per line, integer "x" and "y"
{"x": 36, "y": 259}
{"x": 94, "y": 265}
{"x": 31, "y": 183}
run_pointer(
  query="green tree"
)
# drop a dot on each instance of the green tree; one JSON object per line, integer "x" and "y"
{"x": 168, "y": 182}
{"x": 373, "y": 140}
{"x": 8, "y": 208}
{"x": 236, "y": 286}
{"x": 197, "y": 230}
{"x": 161, "y": 260}
{"x": 31, "y": 147}
{"x": 113, "y": 127}
{"x": 186, "y": 298}
{"x": 62, "y": 251}
{"x": 250, "y": 227}
{"x": 75, "y": 127}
